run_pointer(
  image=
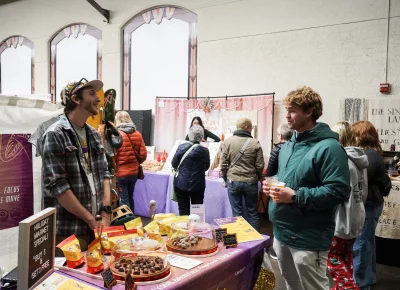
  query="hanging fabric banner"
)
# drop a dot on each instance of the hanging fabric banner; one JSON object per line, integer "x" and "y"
{"x": 385, "y": 115}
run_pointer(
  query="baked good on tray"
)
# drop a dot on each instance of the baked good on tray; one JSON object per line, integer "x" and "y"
{"x": 142, "y": 268}
{"x": 191, "y": 245}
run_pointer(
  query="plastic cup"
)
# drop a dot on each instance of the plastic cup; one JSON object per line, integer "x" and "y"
{"x": 274, "y": 182}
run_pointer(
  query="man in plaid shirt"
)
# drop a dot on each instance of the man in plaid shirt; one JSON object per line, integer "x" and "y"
{"x": 75, "y": 172}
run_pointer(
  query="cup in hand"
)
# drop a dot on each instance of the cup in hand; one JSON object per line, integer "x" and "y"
{"x": 273, "y": 183}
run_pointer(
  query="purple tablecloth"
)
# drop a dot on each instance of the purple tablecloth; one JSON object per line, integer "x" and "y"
{"x": 216, "y": 201}
{"x": 153, "y": 186}
{"x": 235, "y": 268}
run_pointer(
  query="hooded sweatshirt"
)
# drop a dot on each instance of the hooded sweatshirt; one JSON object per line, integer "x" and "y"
{"x": 126, "y": 159}
{"x": 314, "y": 164}
{"x": 350, "y": 215}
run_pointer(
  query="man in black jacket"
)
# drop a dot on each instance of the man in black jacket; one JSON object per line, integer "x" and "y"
{"x": 284, "y": 134}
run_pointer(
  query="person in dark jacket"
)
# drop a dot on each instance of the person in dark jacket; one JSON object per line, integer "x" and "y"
{"x": 207, "y": 134}
{"x": 190, "y": 181}
{"x": 284, "y": 134}
{"x": 364, "y": 250}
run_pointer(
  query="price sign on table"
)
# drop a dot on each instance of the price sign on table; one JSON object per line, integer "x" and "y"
{"x": 36, "y": 247}
{"x": 219, "y": 233}
{"x": 230, "y": 240}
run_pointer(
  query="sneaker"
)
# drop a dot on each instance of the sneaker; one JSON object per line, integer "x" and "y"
{"x": 272, "y": 254}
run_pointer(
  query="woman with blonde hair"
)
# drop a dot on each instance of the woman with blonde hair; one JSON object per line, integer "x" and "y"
{"x": 364, "y": 251}
{"x": 350, "y": 215}
{"x": 128, "y": 158}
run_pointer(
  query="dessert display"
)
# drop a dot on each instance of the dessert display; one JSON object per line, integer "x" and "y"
{"x": 192, "y": 238}
{"x": 139, "y": 259}
{"x": 141, "y": 268}
{"x": 152, "y": 165}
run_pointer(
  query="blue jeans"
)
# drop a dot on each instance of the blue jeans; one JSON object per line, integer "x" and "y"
{"x": 364, "y": 251}
{"x": 249, "y": 190}
{"x": 125, "y": 187}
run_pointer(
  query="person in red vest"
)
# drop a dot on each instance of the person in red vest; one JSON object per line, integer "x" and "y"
{"x": 128, "y": 157}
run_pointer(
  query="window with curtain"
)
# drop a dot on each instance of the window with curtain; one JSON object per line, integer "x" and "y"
{"x": 17, "y": 66}
{"x": 75, "y": 54}
{"x": 160, "y": 54}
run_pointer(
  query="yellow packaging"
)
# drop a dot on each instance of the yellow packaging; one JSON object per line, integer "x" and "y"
{"x": 104, "y": 238}
{"x": 116, "y": 237}
{"x": 94, "y": 257}
{"x": 72, "y": 251}
{"x": 153, "y": 231}
{"x": 135, "y": 224}
{"x": 159, "y": 218}
{"x": 166, "y": 223}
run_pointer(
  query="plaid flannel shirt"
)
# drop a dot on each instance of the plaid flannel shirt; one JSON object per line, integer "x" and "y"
{"x": 62, "y": 169}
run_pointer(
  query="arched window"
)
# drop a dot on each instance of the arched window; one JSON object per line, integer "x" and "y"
{"x": 17, "y": 66}
{"x": 160, "y": 56}
{"x": 75, "y": 53}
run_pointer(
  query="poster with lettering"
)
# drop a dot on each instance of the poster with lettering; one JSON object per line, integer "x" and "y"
{"x": 36, "y": 248}
{"x": 389, "y": 222}
{"x": 385, "y": 115}
{"x": 16, "y": 179}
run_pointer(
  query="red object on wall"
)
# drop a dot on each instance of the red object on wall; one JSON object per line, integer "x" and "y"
{"x": 384, "y": 88}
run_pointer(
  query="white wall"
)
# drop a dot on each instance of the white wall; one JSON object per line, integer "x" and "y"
{"x": 337, "y": 47}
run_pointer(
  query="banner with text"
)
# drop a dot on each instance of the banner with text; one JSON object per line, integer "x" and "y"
{"x": 385, "y": 115}
{"x": 16, "y": 179}
{"x": 389, "y": 222}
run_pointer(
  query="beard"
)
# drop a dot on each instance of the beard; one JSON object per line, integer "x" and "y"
{"x": 90, "y": 107}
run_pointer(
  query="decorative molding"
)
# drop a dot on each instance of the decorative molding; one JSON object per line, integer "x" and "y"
{"x": 158, "y": 14}
{"x": 14, "y": 42}
{"x": 145, "y": 18}
{"x": 73, "y": 30}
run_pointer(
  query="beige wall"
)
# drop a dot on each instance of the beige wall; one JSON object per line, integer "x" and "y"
{"x": 337, "y": 47}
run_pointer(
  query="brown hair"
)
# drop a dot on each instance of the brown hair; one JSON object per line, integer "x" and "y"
{"x": 346, "y": 134}
{"x": 306, "y": 98}
{"x": 367, "y": 136}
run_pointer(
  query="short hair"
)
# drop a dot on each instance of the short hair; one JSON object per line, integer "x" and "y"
{"x": 122, "y": 117}
{"x": 346, "y": 133}
{"x": 243, "y": 123}
{"x": 196, "y": 133}
{"x": 285, "y": 132}
{"x": 70, "y": 104}
{"x": 366, "y": 136}
{"x": 306, "y": 98}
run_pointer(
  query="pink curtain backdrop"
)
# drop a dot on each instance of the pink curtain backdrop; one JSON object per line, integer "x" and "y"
{"x": 171, "y": 114}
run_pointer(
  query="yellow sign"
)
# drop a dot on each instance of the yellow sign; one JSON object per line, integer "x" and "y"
{"x": 244, "y": 231}
{"x": 59, "y": 282}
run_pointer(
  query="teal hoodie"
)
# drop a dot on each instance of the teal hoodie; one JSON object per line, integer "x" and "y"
{"x": 314, "y": 164}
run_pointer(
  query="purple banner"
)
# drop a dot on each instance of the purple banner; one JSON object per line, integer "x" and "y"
{"x": 16, "y": 179}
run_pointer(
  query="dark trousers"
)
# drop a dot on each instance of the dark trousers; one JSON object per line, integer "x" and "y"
{"x": 125, "y": 188}
{"x": 185, "y": 198}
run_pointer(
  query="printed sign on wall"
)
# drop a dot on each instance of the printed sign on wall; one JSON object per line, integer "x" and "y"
{"x": 16, "y": 179}
{"x": 385, "y": 115}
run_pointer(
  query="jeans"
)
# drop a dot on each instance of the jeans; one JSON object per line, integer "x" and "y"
{"x": 125, "y": 187}
{"x": 185, "y": 198}
{"x": 249, "y": 190}
{"x": 364, "y": 250}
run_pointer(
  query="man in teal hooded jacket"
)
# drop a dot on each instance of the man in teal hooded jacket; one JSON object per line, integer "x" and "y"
{"x": 313, "y": 165}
